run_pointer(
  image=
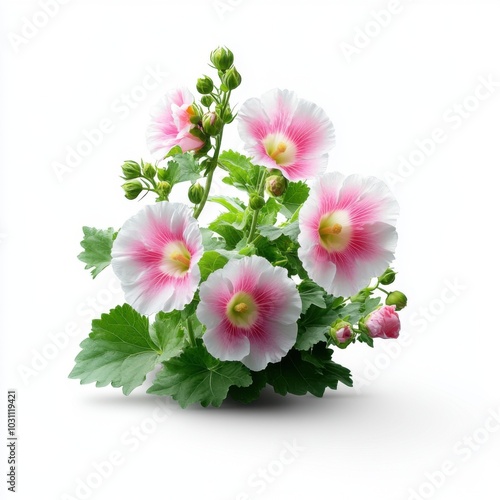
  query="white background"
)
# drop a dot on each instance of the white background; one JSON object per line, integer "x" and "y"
{"x": 417, "y": 399}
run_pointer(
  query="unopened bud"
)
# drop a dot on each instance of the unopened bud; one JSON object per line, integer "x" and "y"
{"x": 204, "y": 85}
{"x": 195, "y": 193}
{"x": 131, "y": 170}
{"x": 149, "y": 170}
{"x": 256, "y": 202}
{"x": 132, "y": 189}
{"x": 232, "y": 79}
{"x": 222, "y": 58}
{"x": 163, "y": 189}
{"x": 207, "y": 100}
{"x": 341, "y": 334}
{"x": 388, "y": 277}
{"x": 397, "y": 299}
{"x": 276, "y": 185}
{"x": 212, "y": 124}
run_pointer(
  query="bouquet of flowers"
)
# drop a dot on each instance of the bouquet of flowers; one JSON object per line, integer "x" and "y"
{"x": 263, "y": 294}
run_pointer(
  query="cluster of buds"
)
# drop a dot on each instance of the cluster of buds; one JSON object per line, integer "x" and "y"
{"x": 382, "y": 323}
{"x": 144, "y": 177}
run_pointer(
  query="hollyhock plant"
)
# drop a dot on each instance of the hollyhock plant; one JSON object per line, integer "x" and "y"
{"x": 383, "y": 323}
{"x": 155, "y": 256}
{"x": 171, "y": 124}
{"x": 347, "y": 234}
{"x": 292, "y": 267}
{"x": 285, "y": 132}
{"x": 250, "y": 309}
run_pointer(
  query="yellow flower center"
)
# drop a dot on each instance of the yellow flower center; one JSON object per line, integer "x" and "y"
{"x": 176, "y": 259}
{"x": 280, "y": 149}
{"x": 241, "y": 310}
{"x": 335, "y": 231}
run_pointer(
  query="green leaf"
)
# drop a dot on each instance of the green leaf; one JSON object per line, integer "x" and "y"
{"x": 295, "y": 195}
{"x": 196, "y": 376}
{"x": 300, "y": 372}
{"x": 248, "y": 394}
{"x": 311, "y": 294}
{"x": 243, "y": 174}
{"x": 224, "y": 225}
{"x": 272, "y": 232}
{"x": 313, "y": 325}
{"x": 269, "y": 212}
{"x": 210, "y": 262}
{"x": 209, "y": 242}
{"x": 119, "y": 351}
{"x": 183, "y": 167}
{"x": 232, "y": 204}
{"x": 168, "y": 334}
{"x": 97, "y": 245}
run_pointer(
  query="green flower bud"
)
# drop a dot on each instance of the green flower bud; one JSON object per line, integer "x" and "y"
{"x": 256, "y": 202}
{"x": 397, "y": 299}
{"x": 228, "y": 116}
{"x": 222, "y": 58}
{"x": 388, "y": 277}
{"x": 131, "y": 170}
{"x": 341, "y": 333}
{"x": 360, "y": 296}
{"x": 212, "y": 124}
{"x": 204, "y": 85}
{"x": 195, "y": 193}
{"x": 149, "y": 171}
{"x": 132, "y": 189}
{"x": 207, "y": 100}
{"x": 163, "y": 189}
{"x": 276, "y": 185}
{"x": 232, "y": 79}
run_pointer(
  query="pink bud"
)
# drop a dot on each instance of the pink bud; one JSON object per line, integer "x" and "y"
{"x": 384, "y": 323}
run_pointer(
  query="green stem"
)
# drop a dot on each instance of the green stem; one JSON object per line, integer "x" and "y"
{"x": 255, "y": 216}
{"x": 192, "y": 338}
{"x": 214, "y": 162}
{"x": 382, "y": 290}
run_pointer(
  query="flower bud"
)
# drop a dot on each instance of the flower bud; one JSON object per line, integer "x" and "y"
{"x": 341, "y": 334}
{"x": 131, "y": 170}
{"x": 397, "y": 299}
{"x": 207, "y": 100}
{"x": 132, "y": 189}
{"x": 227, "y": 116}
{"x": 383, "y": 323}
{"x": 212, "y": 124}
{"x": 195, "y": 193}
{"x": 276, "y": 185}
{"x": 148, "y": 170}
{"x": 204, "y": 85}
{"x": 163, "y": 189}
{"x": 222, "y": 58}
{"x": 388, "y": 277}
{"x": 360, "y": 296}
{"x": 232, "y": 79}
{"x": 256, "y": 202}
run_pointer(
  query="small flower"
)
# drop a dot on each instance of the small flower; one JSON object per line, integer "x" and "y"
{"x": 383, "y": 323}
{"x": 347, "y": 234}
{"x": 171, "y": 124}
{"x": 250, "y": 309}
{"x": 284, "y": 132}
{"x": 155, "y": 256}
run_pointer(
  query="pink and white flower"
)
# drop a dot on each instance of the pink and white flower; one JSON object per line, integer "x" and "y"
{"x": 284, "y": 132}
{"x": 171, "y": 124}
{"x": 347, "y": 234}
{"x": 383, "y": 323}
{"x": 250, "y": 309}
{"x": 155, "y": 256}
